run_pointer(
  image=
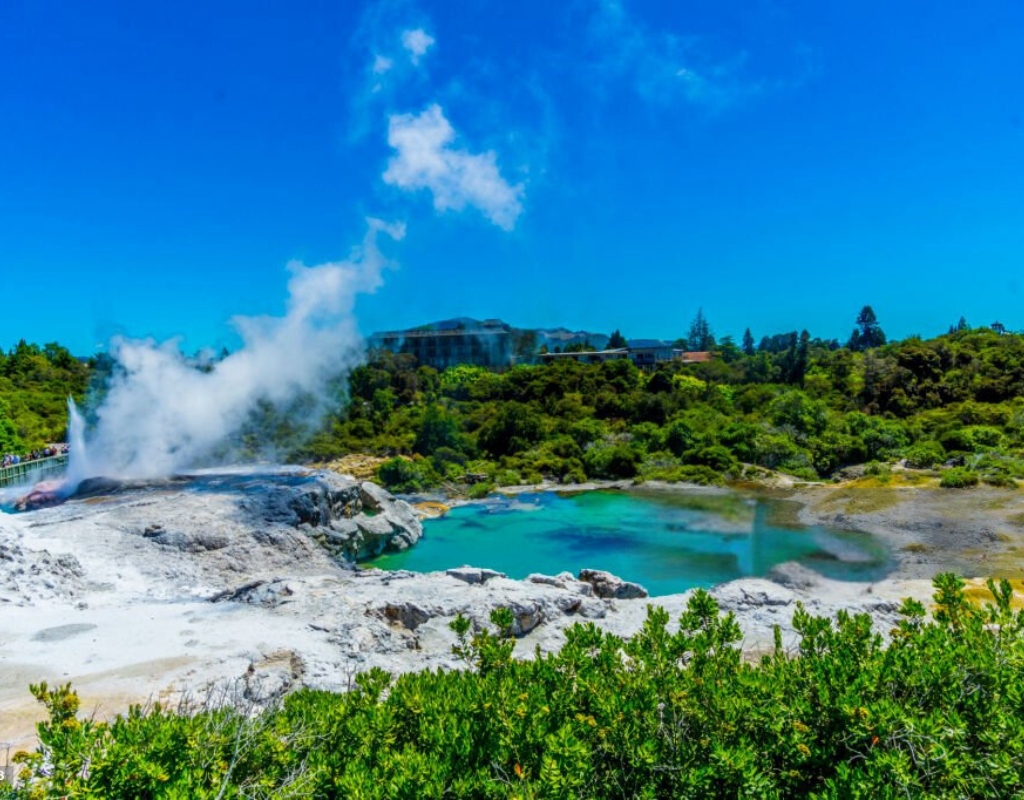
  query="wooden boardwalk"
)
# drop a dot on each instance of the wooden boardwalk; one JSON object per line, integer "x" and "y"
{"x": 32, "y": 471}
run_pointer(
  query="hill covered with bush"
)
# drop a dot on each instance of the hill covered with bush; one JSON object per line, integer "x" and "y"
{"x": 35, "y": 383}
{"x": 800, "y": 406}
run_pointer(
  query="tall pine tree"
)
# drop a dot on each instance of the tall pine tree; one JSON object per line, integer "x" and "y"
{"x": 868, "y": 333}
{"x": 748, "y": 343}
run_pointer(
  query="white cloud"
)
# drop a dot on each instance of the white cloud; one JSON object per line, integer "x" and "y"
{"x": 660, "y": 65}
{"x": 381, "y": 64}
{"x": 456, "y": 178}
{"x": 417, "y": 41}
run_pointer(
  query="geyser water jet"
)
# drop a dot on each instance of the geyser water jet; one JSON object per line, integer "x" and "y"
{"x": 161, "y": 415}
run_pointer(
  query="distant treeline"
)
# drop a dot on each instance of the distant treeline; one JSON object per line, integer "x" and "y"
{"x": 808, "y": 407}
{"x": 803, "y": 406}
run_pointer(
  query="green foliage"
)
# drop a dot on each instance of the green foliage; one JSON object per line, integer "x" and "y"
{"x": 406, "y": 475}
{"x": 478, "y": 491}
{"x": 925, "y": 455}
{"x": 796, "y": 404}
{"x": 616, "y": 340}
{"x": 868, "y": 333}
{"x": 35, "y": 383}
{"x": 700, "y": 336}
{"x": 677, "y": 712}
{"x": 10, "y": 441}
{"x": 612, "y": 461}
{"x": 958, "y": 478}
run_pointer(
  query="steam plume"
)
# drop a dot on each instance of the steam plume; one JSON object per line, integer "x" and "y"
{"x": 162, "y": 415}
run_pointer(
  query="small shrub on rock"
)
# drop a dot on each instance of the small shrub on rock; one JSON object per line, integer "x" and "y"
{"x": 958, "y": 478}
{"x": 478, "y": 491}
{"x": 925, "y": 455}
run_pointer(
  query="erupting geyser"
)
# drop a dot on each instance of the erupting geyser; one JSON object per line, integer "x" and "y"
{"x": 162, "y": 415}
{"x": 78, "y": 463}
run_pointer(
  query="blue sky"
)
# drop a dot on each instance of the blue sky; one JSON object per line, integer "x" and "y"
{"x": 597, "y": 164}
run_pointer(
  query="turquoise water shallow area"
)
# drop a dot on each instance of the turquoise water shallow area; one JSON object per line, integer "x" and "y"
{"x": 667, "y": 541}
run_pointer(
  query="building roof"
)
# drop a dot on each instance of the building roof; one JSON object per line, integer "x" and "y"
{"x": 648, "y": 344}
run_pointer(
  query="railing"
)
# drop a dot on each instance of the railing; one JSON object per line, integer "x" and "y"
{"x": 32, "y": 471}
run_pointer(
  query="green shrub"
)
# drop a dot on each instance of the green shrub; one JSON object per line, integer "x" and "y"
{"x": 406, "y": 475}
{"x": 925, "y": 455}
{"x": 699, "y": 474}
{"x": 958, "y": 478}
{"x": 478, "y": 491}
{"x": 508, "y": 477}
{"x": 673, "y": 712}
{"x": 717, "y": 457}
{"x": 1005, "y": 464}
{"x": 612, "y": 461}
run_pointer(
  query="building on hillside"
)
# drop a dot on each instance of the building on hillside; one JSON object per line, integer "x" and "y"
{"x": 447, "y": 344}
{"x": 562, "y": 338}
{"x": 695, "y": 357}
{"x": 585, "y": 356}
{"x": 648, "y": 353}
{"x": 645, "y": 353}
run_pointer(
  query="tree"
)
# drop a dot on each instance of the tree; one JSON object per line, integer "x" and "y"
{"x": 998, "y": 327}
{"x": 797, "y": 357}
{"x": 868, "y": 333}
{"x": 748, "y": 343}
{"x": 701, "y": 336}
{"x": 10, "y": 442}
{"x": 616, "y": 340}
{"x": 437, "y": 429}
{"x": 728, "y": 351}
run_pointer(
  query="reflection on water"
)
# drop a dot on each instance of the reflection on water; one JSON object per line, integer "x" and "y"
{"x": 669, "y": 542}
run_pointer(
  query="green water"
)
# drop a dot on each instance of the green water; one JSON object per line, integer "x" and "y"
{"x": 669, "y": 542}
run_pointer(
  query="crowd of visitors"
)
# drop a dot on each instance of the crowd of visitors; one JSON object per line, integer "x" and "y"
{"x": 10, "y": 459}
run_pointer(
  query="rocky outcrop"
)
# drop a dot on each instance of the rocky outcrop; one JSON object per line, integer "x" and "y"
{"x": 564, "y": 580}
{"x": 267, "y": 594}
{"x": 28, "y": 574}
{"x": 474, "y": 575}
{"x": 353, "y": 520}
{"x": 752, "y": 593}
{"x": 198, "y": 535}
{"x": 610, "y": 586}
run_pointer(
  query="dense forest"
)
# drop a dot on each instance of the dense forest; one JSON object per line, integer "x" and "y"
{"x": 35, "y": 383}
{"x": 798, "y": 405}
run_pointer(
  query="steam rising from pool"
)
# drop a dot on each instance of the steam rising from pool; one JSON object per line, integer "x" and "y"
{"x": 162, "y": 415}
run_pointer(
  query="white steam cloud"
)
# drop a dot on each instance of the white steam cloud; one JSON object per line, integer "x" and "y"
{"x": 456, "y": 178}
{"x": 162, "y": 415}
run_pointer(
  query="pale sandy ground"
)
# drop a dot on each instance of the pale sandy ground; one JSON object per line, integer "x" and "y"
{"x": 136, "y": 625}
{"x": 120, "y": 653}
